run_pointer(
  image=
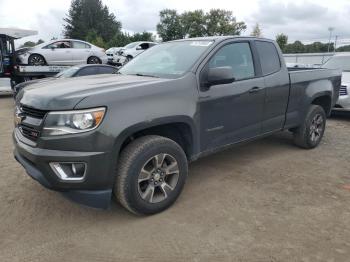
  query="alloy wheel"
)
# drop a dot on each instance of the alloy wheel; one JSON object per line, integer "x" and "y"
{"x": 158, "y": 178}
{"x": 316, "y": 128}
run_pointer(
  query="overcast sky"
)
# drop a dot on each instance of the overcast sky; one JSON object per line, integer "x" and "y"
{"x": 306, "y": 20}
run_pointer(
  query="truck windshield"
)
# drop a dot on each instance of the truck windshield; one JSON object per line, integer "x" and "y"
{"x": 168, "y": 60}
{"x": 336, "y": 62}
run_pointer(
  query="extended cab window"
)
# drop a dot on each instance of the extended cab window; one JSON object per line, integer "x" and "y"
{"x": 269, "y": 58}
{"x": 238, "y": 56}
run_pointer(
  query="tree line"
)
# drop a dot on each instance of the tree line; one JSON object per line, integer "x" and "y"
{"x": 91, "y": 20}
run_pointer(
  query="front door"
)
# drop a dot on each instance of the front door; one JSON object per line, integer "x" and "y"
{"x": 58, "y": 53}
{"x": 233, "y": 112}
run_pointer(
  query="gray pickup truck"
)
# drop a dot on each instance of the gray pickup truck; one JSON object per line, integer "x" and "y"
{"x": 132, "y": 134}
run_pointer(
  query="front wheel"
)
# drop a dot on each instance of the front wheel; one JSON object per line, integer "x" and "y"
{"x": 152, "y": 171}
{"x": 36, "y": 60}
{"x": 310, "y": 133}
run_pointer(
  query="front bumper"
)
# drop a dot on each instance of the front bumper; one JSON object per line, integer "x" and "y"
{"x": 119, "y": 60}
{"x": 94, "y": 191}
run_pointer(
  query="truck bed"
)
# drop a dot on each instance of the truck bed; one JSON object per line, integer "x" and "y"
{"x": 304, "y": 82}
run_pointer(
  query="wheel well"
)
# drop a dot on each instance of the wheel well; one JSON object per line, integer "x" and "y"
{"x": 325, "y": 102}
{"x": 178, "y": 132}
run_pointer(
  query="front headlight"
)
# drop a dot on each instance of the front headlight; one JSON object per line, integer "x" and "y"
{"x": 71, "y": 122}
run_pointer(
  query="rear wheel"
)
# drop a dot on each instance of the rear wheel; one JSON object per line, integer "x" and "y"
{"x": 152, "y": 171}
{"x": 36, "y": 60}
{"x": 94, "y": 60}
{"x": 310, "y": 133}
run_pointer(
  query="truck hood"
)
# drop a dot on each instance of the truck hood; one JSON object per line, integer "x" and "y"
{"x": 65, "y": 94}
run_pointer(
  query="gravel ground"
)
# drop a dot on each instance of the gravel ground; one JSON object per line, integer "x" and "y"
{"x": 263, "y": 201}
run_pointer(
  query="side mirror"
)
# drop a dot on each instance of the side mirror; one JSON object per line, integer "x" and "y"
{"x": 52, "y": 47}
{"x": 139, "y": 48}
{"x": 219, "y": 75}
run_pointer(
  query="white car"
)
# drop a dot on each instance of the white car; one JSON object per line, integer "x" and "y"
{"x": 342, "y": 61}
{"x": 63, "y": 52}
{"x": 131, "y": 50}
{"x": 111, "y": 52}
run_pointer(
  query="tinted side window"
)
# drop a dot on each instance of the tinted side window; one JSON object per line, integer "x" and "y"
{"x": 238, "y": 56}
{"x": 144, "y": 46}
{"x": 269, "y": 58}
{"x": 59, "y": 44}
{"x": 91, "y": 70}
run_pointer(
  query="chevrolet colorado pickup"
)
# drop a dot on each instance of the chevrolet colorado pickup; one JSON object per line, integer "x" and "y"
{"x": 132, "y": 134}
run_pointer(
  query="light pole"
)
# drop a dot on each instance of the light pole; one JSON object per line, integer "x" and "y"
{"x": 330, "y": 29}
{"x": 335, "y": 43}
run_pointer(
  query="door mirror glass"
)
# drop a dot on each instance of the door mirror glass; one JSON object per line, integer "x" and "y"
{"x": 220, "y": 75}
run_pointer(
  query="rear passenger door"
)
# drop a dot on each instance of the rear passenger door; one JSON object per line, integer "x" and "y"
{"x": 81, "y": 52}
{"x": 276, "y": 79}
{"x": 230, "y": 113}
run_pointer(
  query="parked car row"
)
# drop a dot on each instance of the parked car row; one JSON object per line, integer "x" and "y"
{"x": 73, "y": 52}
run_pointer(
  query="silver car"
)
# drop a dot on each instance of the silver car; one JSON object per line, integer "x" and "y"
{"x": 342, "y": 60}
{"x": 63, "y": 52}
{"x": 128, "y": 52}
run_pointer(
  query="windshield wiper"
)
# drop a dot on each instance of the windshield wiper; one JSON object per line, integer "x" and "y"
{"x": 139, "y": 74}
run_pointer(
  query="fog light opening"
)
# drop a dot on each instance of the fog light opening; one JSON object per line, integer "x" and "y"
{"x": 73, "y": 171}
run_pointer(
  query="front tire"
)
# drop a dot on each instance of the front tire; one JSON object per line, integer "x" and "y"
{"x": 36, "y": 60}
{"x": 152, "y": 172}
{"x": 310, "y": 133}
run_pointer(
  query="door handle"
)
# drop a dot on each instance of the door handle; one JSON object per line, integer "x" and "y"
{"x": 255, "y": 89}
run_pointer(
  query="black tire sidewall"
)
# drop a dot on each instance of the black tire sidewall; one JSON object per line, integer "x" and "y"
{"x": 132, "y": 195}
{"x": 89, "y": 61}
{"x": 315, "y": 110}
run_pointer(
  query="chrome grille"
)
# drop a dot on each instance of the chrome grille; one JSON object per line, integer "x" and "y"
{"x": 29, "y": 132}
{"x": 343, "y": 91}
{"x": 29, "y": 121}
{"x": 32, "y": 112}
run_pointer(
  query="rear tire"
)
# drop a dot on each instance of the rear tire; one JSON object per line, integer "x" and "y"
{"x": 151, "y": 174}
{"x": 310, "y": 133}
{"x": 94, "y": 60}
